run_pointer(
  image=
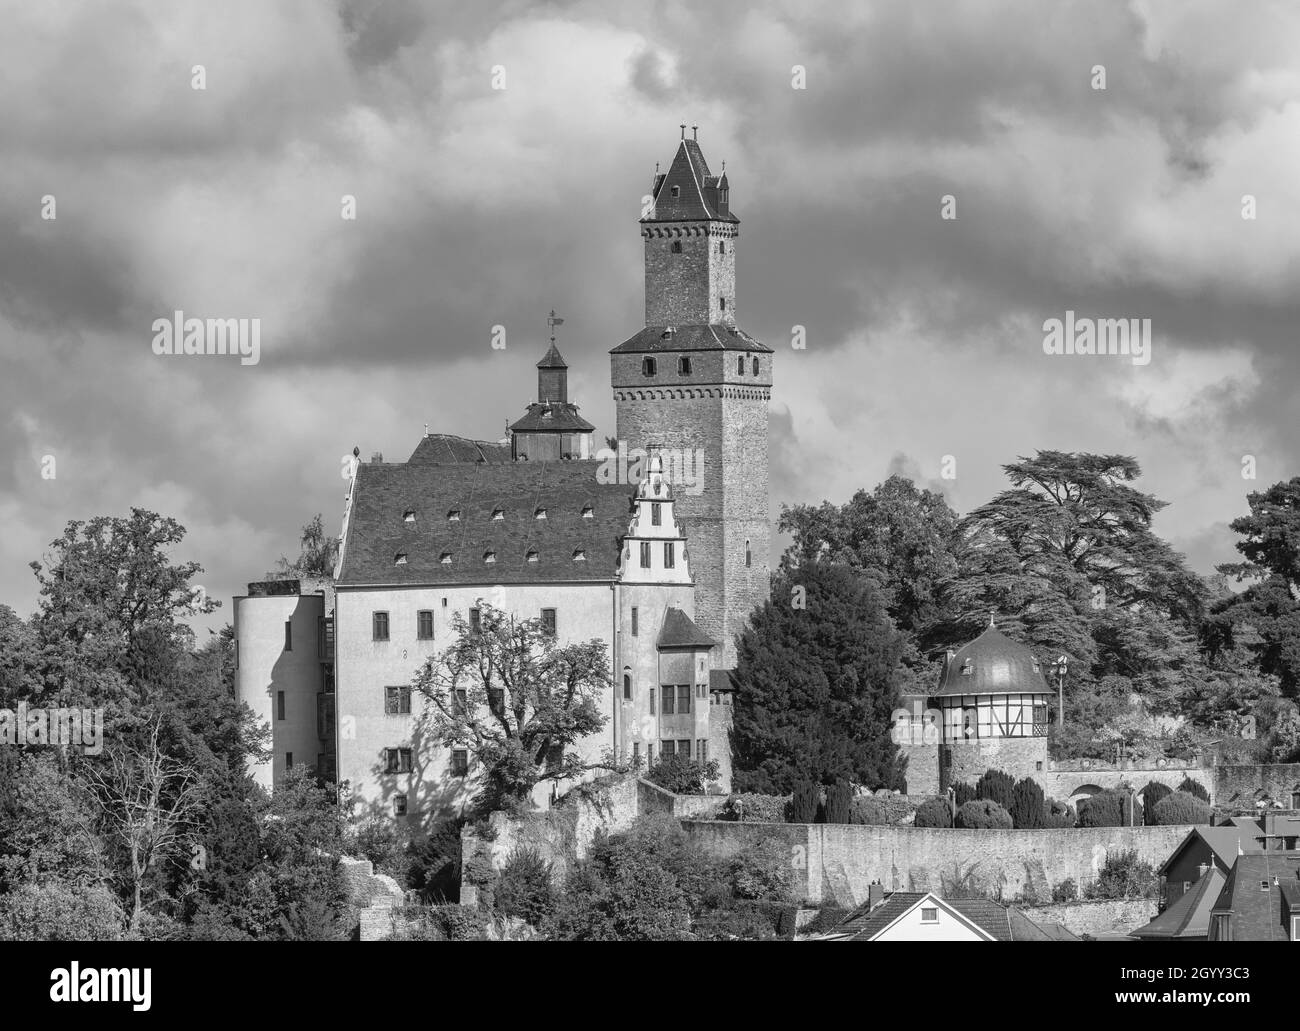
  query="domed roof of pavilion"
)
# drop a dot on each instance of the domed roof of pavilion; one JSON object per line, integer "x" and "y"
{"x": 992, "y": 664}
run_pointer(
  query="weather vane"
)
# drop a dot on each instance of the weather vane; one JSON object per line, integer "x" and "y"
{"x": 552, "y": 321}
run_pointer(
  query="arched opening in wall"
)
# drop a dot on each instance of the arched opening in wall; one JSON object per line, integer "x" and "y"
{"x": 1081, "y": 792}
{"x": 627, "y": 684}
{"x": 749, "y": 555}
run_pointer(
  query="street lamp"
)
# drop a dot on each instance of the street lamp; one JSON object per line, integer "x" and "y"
{"x": 1062, "y": 666}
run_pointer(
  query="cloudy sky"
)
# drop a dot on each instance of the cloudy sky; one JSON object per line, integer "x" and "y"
{"x": 479, "y": 206}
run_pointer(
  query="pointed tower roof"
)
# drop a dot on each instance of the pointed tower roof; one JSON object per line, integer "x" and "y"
{"x": 680, "y": 631}
{"x": 699, "y": 195}
{"x": 552, "y": 360}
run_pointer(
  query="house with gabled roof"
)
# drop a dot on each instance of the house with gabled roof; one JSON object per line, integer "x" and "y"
{"x": 1260, "y": 899}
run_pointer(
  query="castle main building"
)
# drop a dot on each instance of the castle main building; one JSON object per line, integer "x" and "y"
{"x": 535, "y": 526}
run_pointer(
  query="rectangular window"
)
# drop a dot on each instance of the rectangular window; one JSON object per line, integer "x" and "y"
{"x": 475, "y": 621}
{"x": 668, "y": 555}
{"x": 460, "y": 762}
{"x": 652, "y": 700}
{"x": 649, "y": 755}
{"x": 399, "y": 805}
{"x": 424, "y": 624}
{"x": 645, "y": 554}
{"x": 683, "y": 698}
{"x": 496, "y": 700}
{"x": 279, "y": 705}
{"x": 702, "y": 751}
{"x": 237, "y": 667}
{"x": 634, "y": 634}
{"x": 636, "y": 753}
{"x": 669, "y": 749}
{"x": 288, "y": 760}
{"x": 459, "y": 702}
{"x": 380, "y": 626}
{"x": 397, "y": 701}
{"x": 548, "y": 622}
{"x": 669, "y": 698}
{"x": 656, "y": 514}
{"x": 397, "y": 760}
{"x": 288, "y": 635}
{"x": 929, "y": 915}
{"x": 627, "y": 687}
{"x": 684, "y": 748}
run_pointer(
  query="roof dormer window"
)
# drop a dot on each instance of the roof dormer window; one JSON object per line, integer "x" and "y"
{"x": 967, "y": 668}
{"x": 588, "y": 512}
{"x": 453, "y": 516}
{"x": 399, "y": 559}
{"x": 539, "y": 513}
{"x": 579, "y": 555}
{"x": 675, "y": 191}
{"x": 532, "y": 555}
{"x": 498, "y": 513}
{"x": 489, "y": 557}
{"x": 445, "y": 558}
{"x": 408, "y": 516}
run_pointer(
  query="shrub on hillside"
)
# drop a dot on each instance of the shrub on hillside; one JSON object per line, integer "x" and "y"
{"x": 1027, "y": 805}
{"x": 996, "y": 786}
{"x": 933, "y": 812}
{"x": 762, "y": 871}
{"x": 1107, "y": 809}
{"x": 1194, "y": 787}
{"x": 839, "y": 802}
{"x": 1181, "y": 807}
{"x": 523, "y": 888}
{"x": 803, "y": 806}
{"x": 981, "y": 814}
{"x": 1151, "y": 796}
{"x": 1066, "y": 891}
{"x": 868, "y": 811}
{"x": 1124, "y": 876}
{"x": 754, "y": 808}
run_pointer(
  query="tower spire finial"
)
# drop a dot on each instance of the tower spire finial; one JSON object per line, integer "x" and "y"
{"x": 695, "y": 132}
{"x": 992, "y": 613}
{"x": 683, "y": 125}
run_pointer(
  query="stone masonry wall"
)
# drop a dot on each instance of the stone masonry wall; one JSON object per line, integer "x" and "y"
{"x": 1111, "y": 916}
{"x": 836, "y": 862}
{"x": 1244, "y": 785}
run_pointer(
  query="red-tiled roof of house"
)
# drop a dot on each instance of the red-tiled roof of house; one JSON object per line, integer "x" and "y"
{"x": 564, "y": 546}
{"x": 714, "y": 337}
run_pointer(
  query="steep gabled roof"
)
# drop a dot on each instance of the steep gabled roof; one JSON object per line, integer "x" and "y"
{"x": 679, "y": 631}
{"x": 382, "y": 495}
{"x": 1223, "y": 842}
{"x": 1189, "y": 917}
{"x": 697, "y": 190}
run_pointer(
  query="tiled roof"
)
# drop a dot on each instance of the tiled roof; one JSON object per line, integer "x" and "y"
{"x": 697, "y": 191}
{"x": 985, "y": 913}
{"x": 1257, "y": 914}
{"x": 865, "y": 923}
{"x": 552, "y": 360}
{"x": 679, "y": 631}
{"x": 715, "y": 337}
{"x": 378, "y": 531}
{"x": 722, "y": 680}
{"x": 445, "y": 447}
{"x": 552, "y": 417}
{"x": 1223, "y": 842}
{"x": 1189, "y": 916}
{"x": 1023, "y": 929}
{"x": 998, "y": 665}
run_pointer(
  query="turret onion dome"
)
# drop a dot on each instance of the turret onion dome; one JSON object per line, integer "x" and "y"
{"x": 992, "y": 664}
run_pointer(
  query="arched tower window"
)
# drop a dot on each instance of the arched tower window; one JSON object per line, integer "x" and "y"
{"x": 723, "y": 302}
{"x": 627, "y": 685}
{"x": 749, "y": 555}
{"x": 740, "y": 365}
{"x": 755, "y": 366}
{"x": 676, "y": 247}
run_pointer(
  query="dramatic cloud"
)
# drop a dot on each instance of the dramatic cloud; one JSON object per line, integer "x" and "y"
{"x": 478, "y": 207}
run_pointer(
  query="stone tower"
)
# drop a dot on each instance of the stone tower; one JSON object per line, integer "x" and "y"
{"x": 695, "y": 388}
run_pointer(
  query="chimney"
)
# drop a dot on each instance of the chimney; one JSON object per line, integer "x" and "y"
{"x": 377, "y": 458}
{"x": 875, "y": 895}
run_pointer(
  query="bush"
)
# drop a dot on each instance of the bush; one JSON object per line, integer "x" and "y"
{"x": 1027, "y": 805}
{"x": 996, "y": 786}
{"x": 754, "y": 808}
{"x": 828, "y": 918}
{"x": 933, "y": 812}
{"x": 839, "y": 802}
{"x": 1151, "y": 796}
{"x": 762, "y": 872}
{"x": 682, "y": 775}
{"x": 1104, "y": 809}
{"x": 1194, "y": 787}
{"x": 1124, "y": 876}
{"x": 1057, "y": 814}
{"x": 378, "y": 840}
{"x": 523, "y": 888}
{"x": 1181, "y": 807}
{"x": 433, "y": 865}
{"x": 803, "y": 806}
{"x": 963, "y": 793}
{"x": 1066, "y": 891}
{"x": 867, "y": 811}
{"x": 981, "y": 814}
{"x": 56, "y": 912}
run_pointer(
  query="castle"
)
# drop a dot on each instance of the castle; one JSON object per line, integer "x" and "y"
{"x": 537, "y": 526}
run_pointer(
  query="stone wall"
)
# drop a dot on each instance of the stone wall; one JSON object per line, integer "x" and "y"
{"x": 1113, "y": 916}
{"x": 1243, "y": 786}
{"x": 836, "y": 862}
{"x": 964, "y": 762}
